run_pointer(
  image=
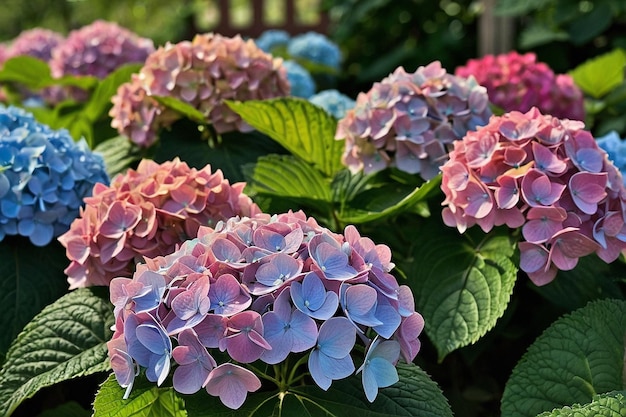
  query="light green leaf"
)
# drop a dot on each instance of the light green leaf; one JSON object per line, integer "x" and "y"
{"x": 145, "y": 400}
{"x": 304, "y": 129}
{"x": 183, "y": 108}
{"x": 462, "y": 283}
{"x": 577, "y": 357}
{"x": 606, "y": 405}
{"x": 66, "y": 340}
{"x": 35, "y": 73}
{"x": 26, "y": 287}
{"x": 100, "y": 100}
{"x": 600, "y": 75}
{"x": 119, "y": 153}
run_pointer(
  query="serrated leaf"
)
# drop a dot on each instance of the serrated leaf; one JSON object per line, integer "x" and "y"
{"x": 600, "y": 75}
{"x": 606, "y": 405}
{"x": 119, "y": 153}
{"x": 577, "y": 357}
{"x": 304, "y": 129}
{"x": 462, "y": 283}
{"x": 66, "y": 340}
{"x": 145, "y": 400}
{"x": 183, "y": 108}
{"x": 100, "y": 100}
{"x": 25, "y": 286}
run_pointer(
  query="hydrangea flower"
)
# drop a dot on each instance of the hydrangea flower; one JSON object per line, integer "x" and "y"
{"x": 334, "y": 102}
{"x": 271, "y": 39}
{"x": 410, "y": 120}
{"x": 264, "y": 288}
{"x": 146, "y": 212}
{"x": 300, "y": 80}
{"x": 518, "y": 82}
{"x": 97, "y": 50}
{"x": 36, "y": 42}
{"x": 615, "y": 147}
{"x": 315, "y": 48}
{"x": 545, "y": 175}
{"x": 44, "y": 176}
{"x": 203, "y": 73}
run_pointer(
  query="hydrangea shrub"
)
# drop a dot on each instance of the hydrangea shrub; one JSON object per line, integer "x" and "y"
{"x": 203, "y": 73}
{"x": 146, "y": 212}
{"x": 517, "y": 82}
{"x": 315, "y": 48}
{"x": 334, "y": 102}
{"x": 264, "y": 289}
{"x": 272, "y": 39}
{"x": 38, "y": 43}
{"x": 410, "y": 120}
{"x": 545, "y": 175}
{"x": 44, "y": 177}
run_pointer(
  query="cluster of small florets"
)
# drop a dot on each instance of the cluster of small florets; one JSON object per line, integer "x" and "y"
{"x": 263, "y": 288}
{"x": 518, "y": 82}
{"x": 37, "y": 43}
{"x": 545, "y": 175}
{"x": 44, "y": 176}
{"x": 273, "y": 39}
{"x": 300, "y": 80}
{"x": 146, "y": 212}
{"x": 203, "y": 73}
{"x": 334, "y": 102}
{"x": 615, "y": 147}
{"x": 410, "y": 120}
{"x": 95, "y": 50}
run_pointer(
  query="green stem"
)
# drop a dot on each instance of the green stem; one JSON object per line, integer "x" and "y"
{"x": 263, "y": 375}
{"x": 292, "y": 375}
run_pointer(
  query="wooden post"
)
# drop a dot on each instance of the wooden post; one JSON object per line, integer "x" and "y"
{"x": 495, "y": 33}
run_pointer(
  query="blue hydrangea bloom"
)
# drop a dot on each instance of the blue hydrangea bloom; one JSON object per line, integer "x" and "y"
{"x": 334, "y": 102}
{"x": 44, "y": 176}
{"x": 272, "y": 38}
{"x": 615, "y": 147}
{"x": 300, "y": 80}
{"x": 316, "y": 48}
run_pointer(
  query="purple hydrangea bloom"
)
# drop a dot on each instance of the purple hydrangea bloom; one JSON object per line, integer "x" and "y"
{"x": 36, "y": 42}
{"x": 44, "y": 176}
{"x": 315, "y": 48}
{"x": 261, "y": 288}
{"x": 334, "y": 102}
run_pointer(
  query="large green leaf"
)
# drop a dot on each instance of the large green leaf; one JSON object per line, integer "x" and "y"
{"x": 183, "y": 108}
{"x": 35, "y": 73}
{"x": 69, "y": 409}
{"x": 606, "y": 405}
{"x": 589, "y": 25}
{"x": 462, "y": 283}
{"x": 119, "y": 153}
{"x": 600, "y": 75}
{"x": 31, "y": 277}
{"x": 304, "y": 129}
{"x": 66, "y": 340}
{"x": 578, "y": 356}
{"x": 145, "y": 400}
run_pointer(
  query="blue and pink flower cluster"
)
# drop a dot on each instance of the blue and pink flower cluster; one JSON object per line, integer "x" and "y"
{"x": 265, "y": 288}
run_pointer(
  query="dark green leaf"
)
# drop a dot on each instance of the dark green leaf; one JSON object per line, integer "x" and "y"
{"x": 606, "y": 405}
{"x": 66, "y": 340}
{"x": 591, "y": 24}
{"x": 304, "y": 129}
{"x": 100, "y": 101}
{"x": 578, "y": 356}
{"x": 119, "y": 153}
{"x": 183, "y": 108}
{"x": 600, "y": 75}
{"x": 26, "y": 287}
{"x": 145, "y": 400}
{"x": 70, "y": 409}
{"x": 516, "y": 7}
{"x": 537, "y": 35}
{"x": 462, "y": 283}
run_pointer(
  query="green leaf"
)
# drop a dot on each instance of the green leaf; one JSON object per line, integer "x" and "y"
{"x": 183, "y": 108}
{"x": 589, "y": 25}
{"x": 119, "y": 153}
{"x": 304, "y": 129}
{"x": 537, "y": 35}
{"x": 25, "y": 286}
{"x": 600, "y": 75}
{"x": 145, "y": 400}
{"x": 462, "y": 283}
{"x": 100, "y": 100}
{"x": 66, "y": 340}
{"x": 607, "y": 405}
{"x": 35, "y": 73}
{"x": 578, "y": 356}
{"x": 516, "y": 7}
{"x": 69, "y": 409}
{"x": 287, "y": 177}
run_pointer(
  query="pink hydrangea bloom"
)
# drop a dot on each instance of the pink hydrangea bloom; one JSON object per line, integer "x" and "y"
{"x": 97, "y": 50}
{"x": 545, "y": 175}
{"x": 263, "y": 288}
{"x": 37, "y": 43}
{"x": 146, "y": 213}
{"x": 410, "y": 120}
{"x": 203, "y": 72}
{"x": 518, "y": 82}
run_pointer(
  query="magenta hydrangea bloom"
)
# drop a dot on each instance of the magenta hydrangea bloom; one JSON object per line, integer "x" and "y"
{"x": 36, "y": 42}
{"x": 203, "y": 73}
{"x": 146, "y": 212}
{"x": 545, "y": 175}
{"x": 518, "y": 82}
{"x": 251, "y": 288}
{"x": 409, "y": 120}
